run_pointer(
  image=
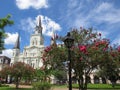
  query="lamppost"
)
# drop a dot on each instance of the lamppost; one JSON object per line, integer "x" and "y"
{"x": 68, "y": 41}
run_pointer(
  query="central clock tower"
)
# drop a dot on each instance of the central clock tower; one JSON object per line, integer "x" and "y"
{"x": 32, "y": 54}
{"x": 37, "y": 38}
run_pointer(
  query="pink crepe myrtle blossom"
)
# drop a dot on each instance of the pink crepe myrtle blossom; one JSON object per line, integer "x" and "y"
{"x": 112, "y": 54}
{"x": 81, "y": 58}
{"x": 102, "y": 42}
{"x": 47, "y": 49}
{"x": 83, "y": 48}
{"x": 94, "y": 48}
{"x": 118, "y": 48}
{"x": 43, "y": 58}
{"x": 104, "y": 49}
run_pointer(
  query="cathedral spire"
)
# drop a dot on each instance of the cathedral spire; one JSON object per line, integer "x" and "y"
{"x": 38, "y": 28}
{"x": 53, "y": 38}
{"x": 17, "y": 44}
{"x": 39, "y": 22}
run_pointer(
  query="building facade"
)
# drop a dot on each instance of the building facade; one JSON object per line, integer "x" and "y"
{"x": 32, "y": 54}
{"x": 4, "y": 61}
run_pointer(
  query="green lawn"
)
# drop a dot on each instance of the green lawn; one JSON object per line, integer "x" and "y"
{"x": 10, "y": 88}
{"x": 100, "y": 86}
{"x": 90, "y": 87}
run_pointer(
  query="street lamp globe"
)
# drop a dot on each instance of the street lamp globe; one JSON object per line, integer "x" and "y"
{"x": 68, "y": 40}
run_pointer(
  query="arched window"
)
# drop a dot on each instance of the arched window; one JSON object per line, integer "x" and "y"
{"x": 36, "y": 42}
{"x": 33, "y": 65}
{"x": 33, "y": 43}
{"x": 26, "y": 53}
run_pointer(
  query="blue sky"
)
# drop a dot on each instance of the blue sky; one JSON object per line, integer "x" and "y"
{"x": 60, "y": 16}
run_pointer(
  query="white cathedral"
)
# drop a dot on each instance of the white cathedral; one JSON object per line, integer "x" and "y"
{"x": 32, "y": 54}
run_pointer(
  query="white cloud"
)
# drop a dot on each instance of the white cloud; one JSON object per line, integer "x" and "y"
{"x": 7, "y": 52}
{"x": 27, "y": 24}
{"x": 11, "y": 39}
{"x": 104, "y": 16}
{"x": 116, "y": 41}
{"x": 36, "y": 4}
{"x": 48, "y": 25}
{"x": 106, "y": 12}
{"x": 84, "y": 14}
{"x": 103, "y": 7}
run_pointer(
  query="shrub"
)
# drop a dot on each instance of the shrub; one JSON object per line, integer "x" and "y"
{"x": 3, "y": 85}
{"x": 41, "y": 86}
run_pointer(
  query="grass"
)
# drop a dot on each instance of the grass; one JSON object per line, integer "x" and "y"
{"x": 90, "y": 87}
{"x": 60, "y": 86}
{"x": 11, "y": 88}
{"x": 100, "y": 86}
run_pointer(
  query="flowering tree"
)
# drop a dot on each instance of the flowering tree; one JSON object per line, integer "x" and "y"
{"x": 5, "y": 72}
{"x": 29, "y": 73}
{"x": 87, "y": 54}
{"x": 17, "y": 71}
{"x": 110, "y": 68}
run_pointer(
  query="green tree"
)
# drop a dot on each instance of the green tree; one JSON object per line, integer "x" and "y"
{"x": 3, "y": 23}
{"x": 53, "y": 58}
{"x": 110, "y": 68}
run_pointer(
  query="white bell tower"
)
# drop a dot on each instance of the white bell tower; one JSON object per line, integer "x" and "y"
{"x": 37, "y": 38}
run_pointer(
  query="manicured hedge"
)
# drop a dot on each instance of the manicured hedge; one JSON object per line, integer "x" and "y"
{"x": 41, "y": 86}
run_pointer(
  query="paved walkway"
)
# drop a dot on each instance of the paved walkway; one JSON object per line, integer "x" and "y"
{"x": 63, "y": 89}
{"x": 20, "y": 86}
{"x": 28, "y": 86}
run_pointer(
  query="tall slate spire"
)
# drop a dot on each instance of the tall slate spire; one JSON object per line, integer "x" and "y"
{"x": 38, "y": 28}
{"x": 39, "y": 22}
{"x": 40, "y": 25}
{"x": 17, "y": 43}
{"x": 53, "y": 38}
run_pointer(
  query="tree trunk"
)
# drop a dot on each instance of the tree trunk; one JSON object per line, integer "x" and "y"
{"x": 85, "y": 83}
{"x": 17, "y": 82}
{"x": 79, "y": 84}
